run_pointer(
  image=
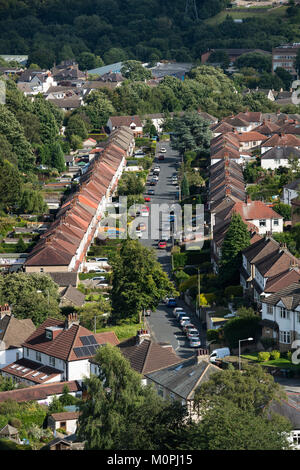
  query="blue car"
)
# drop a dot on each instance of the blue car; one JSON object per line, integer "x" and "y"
{"x": 172, "y": 303}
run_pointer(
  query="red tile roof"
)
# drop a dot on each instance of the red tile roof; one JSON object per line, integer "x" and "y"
{"x": 39, "y": 391}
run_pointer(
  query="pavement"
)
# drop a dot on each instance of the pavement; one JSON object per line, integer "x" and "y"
{"x": 162, "y": 324}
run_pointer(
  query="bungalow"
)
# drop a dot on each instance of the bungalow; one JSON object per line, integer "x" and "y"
{"x": 180, "y": 381}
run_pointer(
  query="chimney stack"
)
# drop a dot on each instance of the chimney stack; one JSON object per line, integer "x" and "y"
{"x": 71, "y": 320}
{"x": 202, "y": 355}
{"x": 4, "y": 310}
{"x": 141, "y": 335}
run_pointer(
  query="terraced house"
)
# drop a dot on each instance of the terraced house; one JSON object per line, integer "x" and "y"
{"x": 64, "y": 246}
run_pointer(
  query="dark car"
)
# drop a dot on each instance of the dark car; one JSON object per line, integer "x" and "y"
{"x": 151, "y": 192}
{"x": 172, "y": 303}
{"x": 161, "y": 157}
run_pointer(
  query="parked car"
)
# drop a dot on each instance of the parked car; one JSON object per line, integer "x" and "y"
{"x": 180, "y": 314}
{"x": 99, "y": 278}
{"x": 142, "y": 227}
{"x": 187, "y": 327}
{"x": 163, "y": 150}
{"x": 98, "y": 270}
{"x": 101, "y": 260}
{"x": 172, "y": 303}
{"x": 148, "y": 312}
{"x": 161, "y": 157}
{"x": 184, "y": 321}
{"x": 153, "y": 183}
{"x": 147, "y": 199}
{"x": 177, "y": 309}
{"x": 151, "y": 192}
{"x": 192, "y": 333}
{"x": 162, "y": 245}
{"x": 195, "y": 342}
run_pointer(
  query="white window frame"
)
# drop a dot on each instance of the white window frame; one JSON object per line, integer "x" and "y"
{"x": 270, "y": 309}
{"x": 285, "y": 337}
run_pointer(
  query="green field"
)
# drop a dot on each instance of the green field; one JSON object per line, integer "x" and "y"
{"x": 247, "y": 13}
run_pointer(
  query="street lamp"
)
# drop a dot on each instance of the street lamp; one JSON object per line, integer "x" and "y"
{"x": 240, "y": 340}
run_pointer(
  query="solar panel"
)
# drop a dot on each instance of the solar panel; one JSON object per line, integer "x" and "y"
{"x": 92, "y": 350}
{"x": 85, "y": 350}
{"x": 84, "y": 340}
{"x": 78, "y": 352}
{"x": 92, "y": 339}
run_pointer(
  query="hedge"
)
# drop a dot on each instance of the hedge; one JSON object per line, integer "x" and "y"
{"x": 235, "y": 291}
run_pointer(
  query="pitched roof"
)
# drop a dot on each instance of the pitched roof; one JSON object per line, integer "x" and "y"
{"x": 62, "y": 346}
{"x": 39, "y": 391}
{"x": 252, "y": 210}
{"x": 14, "y": 331}
{"x": 282, "y": 140}
{"x": 282, "y": 280}
{"x": 280, "y": 153}
{"x": 147, "y": 356}
{"x": 118, "y": 121}
{"x": 185, "y": 377}
{"x": 74, "y": 296}
{"x": 289, "y": 295}
{"x": 32, "y": 371}
{"x": 65, "y": 415}
{"x": 288, "y": 407}
{"x": 64, "y": 279}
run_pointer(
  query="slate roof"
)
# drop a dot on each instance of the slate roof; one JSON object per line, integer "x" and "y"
{"x": 64, "y": 279}
{"x": 147, "y": 356}
{"x": 74, "y": 296}
{"x": 293, "y": 185}
{"x": 14, "y": 331}
{"x": 185, "y": 377}
{"x": 280, "y": 153}
{"x": 290, "y": 296}
{"x": 288, "y": 407}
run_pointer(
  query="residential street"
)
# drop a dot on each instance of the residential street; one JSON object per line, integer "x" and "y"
{"x": 163, "y": 325}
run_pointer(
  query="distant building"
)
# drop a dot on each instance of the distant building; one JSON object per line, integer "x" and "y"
{"x": 284, "y": 56}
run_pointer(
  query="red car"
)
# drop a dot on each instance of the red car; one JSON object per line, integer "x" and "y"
{"x": 162, "y": 245}
{"x": 161, "y": 157}
{"x": 147, "y": 199}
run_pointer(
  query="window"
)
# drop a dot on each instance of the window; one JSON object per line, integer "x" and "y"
{"x": 262, "y": 223}
{"x": 160, "y": 390}
{"x": 38, "y": 356}
{"x": 284, "y": 313}
{"x": 284, "y": 337}
{"x": 42, "y": 270}
{"x": 270, "y": 309}
{"x": 276, "y": 222}
{"x": 296, "y": 438}
{"x": 52, "y": 361}
{"x": 298, "y": 317}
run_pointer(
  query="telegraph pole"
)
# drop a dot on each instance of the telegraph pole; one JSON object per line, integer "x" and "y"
{"x": 191, "y": 9}
{"x": 199, "y": 308}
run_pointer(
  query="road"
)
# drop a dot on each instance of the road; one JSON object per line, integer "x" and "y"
{"x": 163, "y": 326}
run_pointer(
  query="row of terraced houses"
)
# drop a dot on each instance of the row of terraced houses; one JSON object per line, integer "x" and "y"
{"x": 269, "y": 272}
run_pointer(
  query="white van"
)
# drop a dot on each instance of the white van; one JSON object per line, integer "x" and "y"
{"x": 219, "y": 354}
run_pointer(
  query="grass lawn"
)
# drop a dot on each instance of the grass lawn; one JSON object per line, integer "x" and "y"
{"x": 282, "y": 363}
{"x": 220, "y": 17}
{"x": 123, "y": 331}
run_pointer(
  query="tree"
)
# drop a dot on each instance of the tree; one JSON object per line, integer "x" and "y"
{"x": 89, "y": 61}
{"x": 133, "y": 70}
{"x": 21, "y": 246}
{"x": 58, "y": 160}
{"x": 192, "y": 133}
{"x": 122, "y": 414}
{"x": 10, "y": 185}
{"x": 237, "y": 238}
{"x": 76, "y": 126}
{"x": 283, "y": 209}
{"x": 185, "y": 189}
{"x": 251, "y": 391}
{"x": 138, "y": 281}
{"x": 225, "y": 426}
{"x": 32, "y": 296}
{"x": 98, "y": 108}
{"x": 95, "y": 311}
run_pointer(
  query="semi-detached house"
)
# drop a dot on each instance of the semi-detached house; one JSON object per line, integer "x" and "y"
{"x": 57, "y": 351}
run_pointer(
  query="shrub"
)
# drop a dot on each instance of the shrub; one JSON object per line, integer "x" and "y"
{"x": 275, "y": 355}
{"x": 263, "y": 356}
{"x": 212, "y": 335}
{"x": 15, "y": 422}
{"x": 267, "y": 342}
{"x": 207, "y": 299}
{"x": 289, "y": 355}
{"x": 235, "y": 291}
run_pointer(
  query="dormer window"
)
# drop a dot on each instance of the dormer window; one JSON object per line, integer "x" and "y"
{"x": 49, "y": 334}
